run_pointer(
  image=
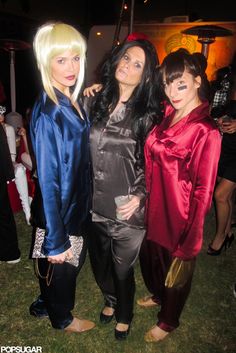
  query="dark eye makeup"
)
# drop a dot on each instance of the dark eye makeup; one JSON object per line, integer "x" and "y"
{"x": 181, "y": 88}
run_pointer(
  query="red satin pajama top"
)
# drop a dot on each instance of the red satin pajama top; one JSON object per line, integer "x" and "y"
{"x": 181, "y": 169}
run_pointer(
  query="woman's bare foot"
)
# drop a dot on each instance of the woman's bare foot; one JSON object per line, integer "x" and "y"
{"x": 156, "y": 334}
{"x": 79, "y": 325}
{"x": 147, "y": 302}
{"x": 217, "y": 242}
{"x": 107, "y": 310}
{"x": 122, "y": 327}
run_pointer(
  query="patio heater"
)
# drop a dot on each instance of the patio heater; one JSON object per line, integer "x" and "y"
{"x": 207, "y": 34}
{"x": 11, "y": 46}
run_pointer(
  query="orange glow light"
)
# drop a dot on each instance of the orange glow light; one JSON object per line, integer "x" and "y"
{"x": 168, "y": 37}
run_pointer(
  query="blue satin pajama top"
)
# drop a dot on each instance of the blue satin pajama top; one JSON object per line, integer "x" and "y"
{"x": 60, "y": 140}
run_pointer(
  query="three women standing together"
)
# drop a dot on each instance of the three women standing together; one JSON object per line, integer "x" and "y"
{"x": 181, "y": 161}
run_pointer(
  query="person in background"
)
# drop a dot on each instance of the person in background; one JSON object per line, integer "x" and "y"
{"x": 220, "y": 88}
{"x": 122, "y": 113}
{"x": 25, "y": 151}
{"x": 25, "y": 155}
{"x": 181, "y": 159}
{"x": 19, "y": 169}
{"x": 59, "y": 131}
{"x": 9, "y": 249}
{"x": 224, "y": 194}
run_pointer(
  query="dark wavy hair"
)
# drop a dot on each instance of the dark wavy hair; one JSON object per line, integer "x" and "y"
{"x": 144, "y": 105}
{"x": 175, "y": 63}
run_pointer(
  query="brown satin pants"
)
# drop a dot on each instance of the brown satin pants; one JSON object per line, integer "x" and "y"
{"x": 155, "y": 262}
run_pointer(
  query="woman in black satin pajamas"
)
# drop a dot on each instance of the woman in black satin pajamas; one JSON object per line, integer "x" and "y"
{"x": 121, "y": 114}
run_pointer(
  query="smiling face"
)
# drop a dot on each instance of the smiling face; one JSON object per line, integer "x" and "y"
{"x": 130, "y": 68}
{"x": 65, "y": 70}
{"x": 183, "y": 92}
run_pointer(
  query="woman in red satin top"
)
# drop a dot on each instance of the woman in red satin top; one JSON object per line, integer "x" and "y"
{"x": 181, "y": 165}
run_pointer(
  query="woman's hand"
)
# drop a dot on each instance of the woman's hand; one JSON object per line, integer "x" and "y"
{"x": 89, "y": 91}
{"x": 228, "y": 127}
{"x": 127, "y": 210}
{"x": 61, "y": 258}
{"x": 21, "y": 131}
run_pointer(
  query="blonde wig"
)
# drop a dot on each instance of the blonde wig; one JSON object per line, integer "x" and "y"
{"x": 53, "y": 39}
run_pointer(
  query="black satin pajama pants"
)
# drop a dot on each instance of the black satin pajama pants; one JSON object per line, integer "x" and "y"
{"x": 113, "y": 250}
{"x": 59, "y": 296}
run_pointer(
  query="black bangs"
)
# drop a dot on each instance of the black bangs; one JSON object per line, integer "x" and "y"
{"x": 174, "y": 65}
{"x": 177, "y": 62}
{"x": 173, "y": 69}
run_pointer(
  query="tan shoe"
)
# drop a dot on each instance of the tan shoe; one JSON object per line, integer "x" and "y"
{"x": 147, "y": 302}
{"x": 156, "y": 334}
{"x": 78, "y": 325}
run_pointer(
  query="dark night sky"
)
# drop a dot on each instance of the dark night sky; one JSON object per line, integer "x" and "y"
{"x": 90, "y": 12}
{"x": 84, "y": 14}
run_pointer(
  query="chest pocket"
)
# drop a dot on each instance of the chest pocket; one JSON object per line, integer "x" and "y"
{"x": 173, "y": 158}
{"x": 175, "y": 149}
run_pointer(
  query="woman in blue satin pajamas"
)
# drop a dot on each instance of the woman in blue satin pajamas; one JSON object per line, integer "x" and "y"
{"x": 59, "y": 134}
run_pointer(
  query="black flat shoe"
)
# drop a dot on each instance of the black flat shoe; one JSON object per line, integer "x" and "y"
{"x": 38, "y": 308}
{"x": 105, "y": 319}
{"x": 121, "y": 335}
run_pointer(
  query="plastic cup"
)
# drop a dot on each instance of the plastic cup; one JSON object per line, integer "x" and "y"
{"x": 120, "y": 201}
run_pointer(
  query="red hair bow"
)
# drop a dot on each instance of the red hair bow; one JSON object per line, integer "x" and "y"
{"x": 135, "y": 36}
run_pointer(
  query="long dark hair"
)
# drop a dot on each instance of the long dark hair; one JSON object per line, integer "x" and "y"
{"x": 144, "y": 104}
{"x": 175, "y": 63}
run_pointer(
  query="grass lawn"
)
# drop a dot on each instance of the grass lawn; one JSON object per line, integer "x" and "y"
{"x": 208, "y": 322}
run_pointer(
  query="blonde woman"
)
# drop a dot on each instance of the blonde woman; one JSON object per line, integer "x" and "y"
{"x": 59, "y": 132}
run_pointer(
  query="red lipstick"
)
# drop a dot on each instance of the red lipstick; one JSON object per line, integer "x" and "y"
{"x": 70, "y": 78}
